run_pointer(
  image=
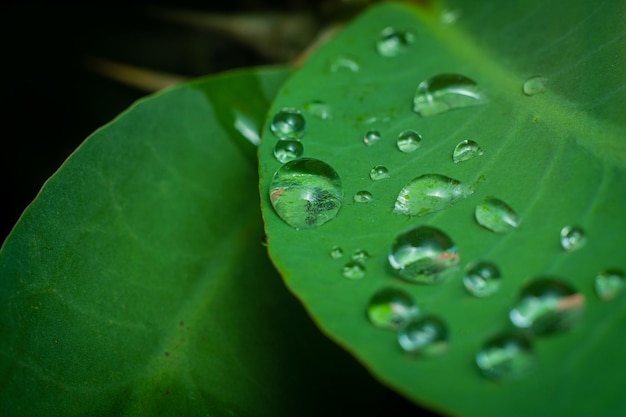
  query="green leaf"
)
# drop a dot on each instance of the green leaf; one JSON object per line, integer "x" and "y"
{"x": 556, "y": 158}
{"x": 136, "y": 283}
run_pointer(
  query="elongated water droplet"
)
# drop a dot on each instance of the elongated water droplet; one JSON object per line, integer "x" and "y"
{"x": 445, "y": 92}
{"x": 429, "y": 193}
{"x": 423, "y": 254}
{"x": 306, "y": 193}
{"x": 610, "y": 284}
{"x": 288, "y": 149}
{"x": 573, "y": 238}
{"x": 371, "y": 137}
{"x": 425, "y": 335}
{"x": 319, "y": 108}
{"x": 336, "y": 252}
{"x": 390, "y": 308}
{"x": 497, "y": 216}
{"x": 360, "y": 255}
{"x": 394, "y": 42}
{"x": 378, "y": 173}
{"x": 505, "y": 357}
{"x": 353, "y": 270}
{"x": 482, "y": 278}
{"x": 547, "y": 305}
{"x": 535, "y": 85}
{"x": 344, "y": 63}
{"x": 288, "y": 122}
{"x": 409, "y": 141}
{"x": 465, "y": 150}
{"x": 363, "y": 197}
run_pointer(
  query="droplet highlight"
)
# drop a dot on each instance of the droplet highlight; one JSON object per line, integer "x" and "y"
{"x": 482, "y": 278}
{"x": 378, "y": 173}
{"x": 393, "y": 42}
{"x": 306, "y": 193}
{"x": 409, "y": 141}
{"x": 371, "y": 137}
{"x": 425, "y": 336}
{"x": 319, "y": 109}
{"x": 573, "y": 238}
{"x": 466, "y": 150}
{"x": 336, "y": 252}
{"x": 534, "y": 85}
{"x": 446, "y": 92}
{"x": 497, "y": 216}
{"x": 288, "y": 123}
{"x": 505, "y": 357}
{"x": 429, "y": 193}
{"x": 288, "y": 149}
{"x": 363, "y": 197}
{"x": 353, "y": 270}
{"x": 390, "y": 308}
{"x": 610, "y": 284}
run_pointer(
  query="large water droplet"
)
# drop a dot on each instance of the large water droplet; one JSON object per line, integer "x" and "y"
{"x": 425, "y": 335}
{"x": 306, "y": 193}
{"x": 288, "y": 149}
{"x": 482, "y": 278}
{"x": 390, "y": 308}
{"x": 409, "y": 141}
{"x": 505, "y": 357}
{"x": 465, "y": 150}
{"x": 336, "y": 252}
{"x": 363, "y": 197}
{"x": 497, "y": 216}
{"x": 573, "y": 238}
{"x": 535, "y": 85}
{"x": 344, "y": 63}
{"x": 423, "y": 254}
{"x": 445, "y": 92}
{"x": 371, "y": 137}
{"x": 353, "y": 270}
{"x": 609, "y": 284}
{"x": 319, "y": 108}
{"x": 429, "y": 193}
{"x": 394, "y": 42}
{"x": 378, "y": 173}
{"x": 288, "y": 122}
{"x": 547, "y": 305}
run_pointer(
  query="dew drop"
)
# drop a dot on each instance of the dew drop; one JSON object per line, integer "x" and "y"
{"x": 336, "y": 252}
{"x": 505, "y": 357}
{"x": 319, "y": 108}
{"x": 535, "y": 85}
{"x": 371, "y": 137}
{"x": 343, "y": 63}
{"x": 353, "y": 270}
{"x": 425, "y": 335}
{"x": 378, "y": 173}
{"x": 496, "y": 215}
{"x": 423, "y": 254}
{"x": 363, "y": 197}
{"x": 573, "y": 238}
{"x": 306, "y": 193}
{"x": 547, "y": 305}
{"x": 360, "y": 255}
{"x": 288, "y": 122}
{"x": 409, "y": 141}
{"x": 609, "y": 284}
{"x": 394, "y": 42}
{"x": 429, "y": 193}
{"x": 482, "y": 278}
{"x": 288, "y": 149}
{"x": 465, "y": 150}
{"x": 390, "y": 308}
{"x": 445, "y": 92}
{"x": 450, "y": 16}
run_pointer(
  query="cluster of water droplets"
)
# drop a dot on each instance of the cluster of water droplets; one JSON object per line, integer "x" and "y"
{"x": 354, "y": 268}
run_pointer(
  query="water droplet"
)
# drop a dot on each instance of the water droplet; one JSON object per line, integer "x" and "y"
{"x": 394, "y": 42}
{"x": 288, "y": 122}
{"x": 336, "y": 252}
{"x": 390, "y": 308}
{"x": 547, "y": 305}
{"x": 449, "y": 16}
{"x": 378, "y": 173}
{"x": 466, "y": 149}
{"x": 288, "y": 149}
{"x": 535, "y": 85}
{"x": 506, "y": 356}
{"x": 496, "y": 215}
{"x": 371, "y": 137}
{"x": 482, "y": 278}
{"x": 306, "y": 193}
{"x": 409, "y": 141}
{"x": 573, "y": 238}
{"x": 363, "y": 197}
{"x": 445, "y": 92}
{"x": 609, "y": 284}
{"x": 360, "y": 255}
{"x": 264, "y": 241}
{"x": 344, "y": 63}
{"x": 429, "y": 193}
{"x": 423, "y": 254}
{"x": 425, "y": 335}
{"x": 353, "y": 270}
{"x": 319, "y": 108}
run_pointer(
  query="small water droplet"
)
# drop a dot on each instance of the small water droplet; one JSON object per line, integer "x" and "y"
{"x": 288, "y": 149}
{"x": 535, "y": 85}
{"x": 505, "y": 357}
{"x": 445, "y": 92}
{"x": 360, "y": 255}
{"x": 336, "y": 252}
{"x": 264, "y": 240}
{"x": 319, "y": 108}
{"x": 609, "y": 284}
{"x": 573, "y": 238}
{"x": 306, "y": 193}
{"x": 496, "y": 215}
{"x": 429, "y": 193}
{"x": 288, "y": 122}
{"x": 482, "y": 278}
{"x": 547, "y": 305}
{"x": 344, "y": 63}
{"x": 409, "y": 141}
{"x": 425, "y": 335}
{"x": 449, "y": 16}
{"x": 363, "y": 197}
{"x": 371, "y": 137}
{"x": 394, "y": 42}
{"x": 378, "y": 173}
{"x": 353, "y": 270}
{"x": 465, "y": 150}
{"x": 390, "y": 308}
{"x": 423, "y": 254}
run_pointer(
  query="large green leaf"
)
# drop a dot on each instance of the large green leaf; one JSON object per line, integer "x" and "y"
{"x": 136, "y": 282}
{"x": 556, "y": 158}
